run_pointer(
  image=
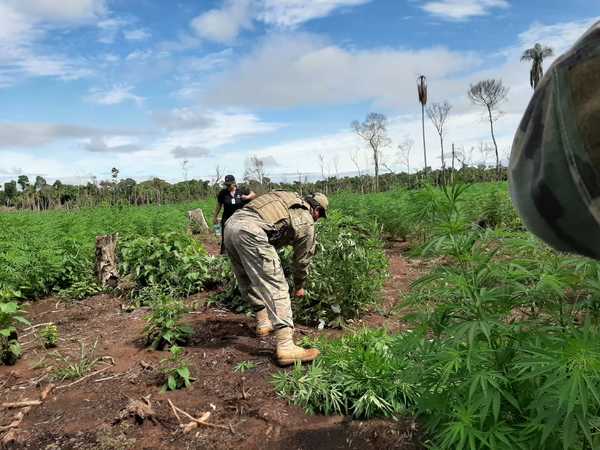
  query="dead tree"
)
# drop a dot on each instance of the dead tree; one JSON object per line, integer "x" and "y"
{"x": 374, "y": 132}
{"x": 490, "y": 94}
{"x": 106, "y": 260}
{"x": 438, "y": 114}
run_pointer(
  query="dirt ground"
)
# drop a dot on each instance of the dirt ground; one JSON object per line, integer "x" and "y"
{"x": 92, "y": 412}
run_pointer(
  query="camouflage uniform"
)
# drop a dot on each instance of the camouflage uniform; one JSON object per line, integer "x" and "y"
{"x": 554, "y": 168}
{"x": 252, "y": 236}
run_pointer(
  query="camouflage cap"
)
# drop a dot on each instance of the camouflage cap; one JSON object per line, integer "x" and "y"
{"x": 554, "y": 170}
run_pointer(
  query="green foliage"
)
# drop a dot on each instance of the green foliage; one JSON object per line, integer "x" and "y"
{"x": 505, "y": 351}
{"x": 70, "y": 368}
{"x": 10, "y": 316}
{"x": 176, "y": 370}
{"x": 244, "y": 366}
{"x": 164, "y": 326}
{"x": 172, "y": 260}
{"x": 365, "y": 375}
{"x": 346, "y": 274}
{"x": 81, "y": 289}
{"x": 49, "y": 335}
{"x": 50, "y": 252}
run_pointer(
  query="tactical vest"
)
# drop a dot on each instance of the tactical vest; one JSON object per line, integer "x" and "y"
{"x": 274, "y": 206}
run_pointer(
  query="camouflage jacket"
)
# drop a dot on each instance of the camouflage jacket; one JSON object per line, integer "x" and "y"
{"x": 298, "y": 231}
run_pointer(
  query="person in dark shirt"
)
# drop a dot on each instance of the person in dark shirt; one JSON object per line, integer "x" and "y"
{"x": 231, "y": 198}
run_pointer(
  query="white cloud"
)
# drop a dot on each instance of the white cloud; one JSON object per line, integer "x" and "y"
{"x": 291, "y": 13}
{"x": 210, "y": 62}
{"x": 213, "y": 129}
{"x": 109, "y": 29}
{"x": 99, "y": 144}
{"x": 68, "y": 11}
{"x": 300, "y": 69}
{"x": 184, "y": 119}
{"x": 33, "y": 135}
{"x": 180, "y": 152}
{"x": 114, "y": 95}
{"x": 463, "y": 9}
{"x": 139, "y": 55}
{"x": 136, "y": 35}
{"x": 560, "y": 36}
{"x": 467, "y": 126}
{"x": 223, "y": 25}
{"x": 24, "y": 23}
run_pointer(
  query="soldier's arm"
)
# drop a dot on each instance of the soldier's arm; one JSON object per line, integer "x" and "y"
{"x": 249, "y": 197}
{"x": 304, "y": 249}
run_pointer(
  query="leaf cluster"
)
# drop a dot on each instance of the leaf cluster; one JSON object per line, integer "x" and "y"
{"x": 164, "y": 325}
{"x": 175, "y": 370}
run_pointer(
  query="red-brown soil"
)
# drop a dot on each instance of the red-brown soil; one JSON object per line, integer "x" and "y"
{"x": 86, "y": 415}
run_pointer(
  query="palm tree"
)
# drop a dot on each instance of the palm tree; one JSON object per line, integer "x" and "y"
{"x": 536, "y": 54}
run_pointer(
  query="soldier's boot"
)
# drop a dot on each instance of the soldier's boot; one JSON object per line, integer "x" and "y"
{"x": 263, "y": 324}
{"x": 288, "y": 353}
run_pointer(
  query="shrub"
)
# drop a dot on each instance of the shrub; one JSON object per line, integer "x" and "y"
{"x": 365, "y": 375}
{"x": 49, "y": 336}
{"x": 164, "y": 326}
{"x": 173, "y": 260}
{"x": 347, "y": 272}
{"x": 10, "y": 315}
{"x": 176, "y": 370}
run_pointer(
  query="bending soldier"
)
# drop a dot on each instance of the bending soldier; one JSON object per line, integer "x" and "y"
{"x": 555, "y": 161}
{"x": 252, "y": 236}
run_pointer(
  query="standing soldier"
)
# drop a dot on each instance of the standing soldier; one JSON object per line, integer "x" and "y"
{"x": 252, "y": 237}
{"x": 555, "y": 161}
{"x": 231, "y": 198}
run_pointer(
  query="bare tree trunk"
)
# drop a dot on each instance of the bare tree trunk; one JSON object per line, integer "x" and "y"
{"x": 495, "y": 143}
{"x": 453, "y": 157}
{"x": 106, "y": 260}
{"x": 376, "y": 161}
{"x": 443, "y": 161}
{"x": 424, "y": 148}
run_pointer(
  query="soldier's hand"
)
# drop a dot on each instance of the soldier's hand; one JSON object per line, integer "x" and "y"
{"x": 299, "y": 293}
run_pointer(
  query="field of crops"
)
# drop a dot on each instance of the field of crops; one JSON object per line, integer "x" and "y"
{"x": 503, "y": 347}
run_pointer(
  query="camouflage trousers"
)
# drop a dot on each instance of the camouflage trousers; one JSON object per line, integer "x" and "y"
{"x": 257, "y": 268}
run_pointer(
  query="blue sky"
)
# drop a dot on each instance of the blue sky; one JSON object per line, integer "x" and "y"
{"x": 144, "y": 85}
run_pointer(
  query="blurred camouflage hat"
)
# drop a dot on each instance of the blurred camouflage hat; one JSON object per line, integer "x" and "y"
{"x": 320, "y": 200}
{"x": 554, "y": 170}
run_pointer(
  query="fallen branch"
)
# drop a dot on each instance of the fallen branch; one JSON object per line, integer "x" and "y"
{"x": 64, "y": 386}
{"x": 196, "y": 422}
{"x": 11, "y": 435}
{"x": 118, "y": 375}
{"x": 174, "y": 411}
{"x": 33, "y": 327}
{"x": 23, "y": 404}
{"x": 16, "y": 421}
{"x": 46, "y": 392}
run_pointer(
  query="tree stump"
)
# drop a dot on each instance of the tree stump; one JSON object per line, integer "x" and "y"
{"x": 198, "y": 223}
{"x": 106, "y": 260}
